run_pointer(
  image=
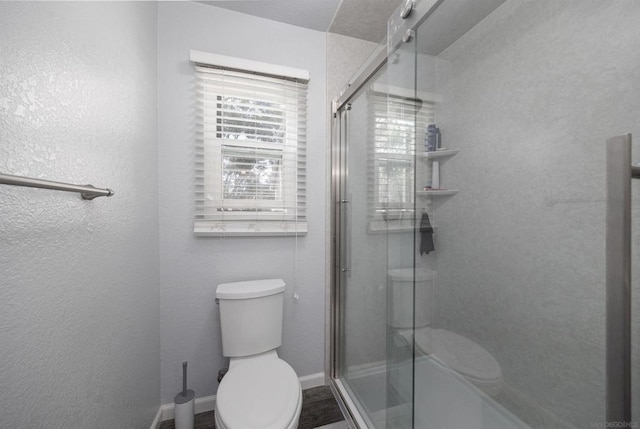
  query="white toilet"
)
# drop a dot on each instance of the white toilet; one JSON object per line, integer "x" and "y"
{"x": 260, "y": 390}
{"x": 458, "y": 353}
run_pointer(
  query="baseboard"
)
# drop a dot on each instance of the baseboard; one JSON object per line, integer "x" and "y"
{"x": 157, "y": 419}
{"x": 208, "y": 403}
{"x": 201, "y": 405}
{"x": 312, "y": 380}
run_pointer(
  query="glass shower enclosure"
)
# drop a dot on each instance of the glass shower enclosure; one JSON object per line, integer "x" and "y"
{"x": 485, "y": 219}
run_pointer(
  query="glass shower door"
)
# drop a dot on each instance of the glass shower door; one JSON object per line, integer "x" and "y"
{"x": 528, "y": 97}
{"x": 395, "y": 156}
{"x": 376, "y": 212}
{"x": 508, "y": 307}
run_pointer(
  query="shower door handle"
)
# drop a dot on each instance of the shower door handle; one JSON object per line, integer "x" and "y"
{"x": 619, "y": 173}
{"x": 345, "y": 267}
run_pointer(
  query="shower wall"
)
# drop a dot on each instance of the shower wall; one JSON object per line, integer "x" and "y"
{"x": 536, "y": 89}
{"x": 79, "y": 301}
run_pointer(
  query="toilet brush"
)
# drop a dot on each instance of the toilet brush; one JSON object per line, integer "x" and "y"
{"x": 183, "y": 412}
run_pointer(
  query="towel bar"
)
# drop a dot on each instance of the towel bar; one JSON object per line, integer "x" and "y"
{"x": 88, "y": 192}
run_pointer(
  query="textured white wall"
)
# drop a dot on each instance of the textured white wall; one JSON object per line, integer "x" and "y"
{"x": 345, "y": 55}
{"x": 537, "y": 89}
{"x": 79, "y": 304}
{"x": 191, "y": 267}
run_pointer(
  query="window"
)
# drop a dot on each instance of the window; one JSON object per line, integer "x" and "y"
{"x": 251, "y": 158}
{"x": 396, "y": 121}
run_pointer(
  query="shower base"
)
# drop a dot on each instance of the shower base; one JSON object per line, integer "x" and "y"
{"x": 443, "y": 399}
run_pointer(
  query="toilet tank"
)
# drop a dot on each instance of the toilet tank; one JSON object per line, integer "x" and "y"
{"x": 251, "y": 316}
{"x": 400, "y": 297}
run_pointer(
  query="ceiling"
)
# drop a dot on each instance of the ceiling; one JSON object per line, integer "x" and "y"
{"x": 450, "y": 21}
{"x": 362, "y": 19}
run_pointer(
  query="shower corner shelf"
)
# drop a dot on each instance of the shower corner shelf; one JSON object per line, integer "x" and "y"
{"x": 438, "y": 154}
{"x": 437, "y": 193}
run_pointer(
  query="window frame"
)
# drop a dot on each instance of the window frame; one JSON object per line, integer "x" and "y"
{"x": 220, "y": 216}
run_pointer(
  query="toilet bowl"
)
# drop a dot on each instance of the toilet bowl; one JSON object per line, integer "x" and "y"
{"x": 259, "y": 393}
{"x": 460, "y": 354}
{"x": 260, "y": 390}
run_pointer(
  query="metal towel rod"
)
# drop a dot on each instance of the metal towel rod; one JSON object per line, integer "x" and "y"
{"x": 88, "y": 192}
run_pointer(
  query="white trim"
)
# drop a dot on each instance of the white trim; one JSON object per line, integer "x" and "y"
{"x": 157, "y": 420}
{"x": 167, "y": 412}
{"x": 312, "y": 380}
{"x": 249, "y": 65}
{"x": 201, "y": 405}
{"x": 236, "y": 228}
{"x": 208, "y": 403}
{"x": 204, "y": 404}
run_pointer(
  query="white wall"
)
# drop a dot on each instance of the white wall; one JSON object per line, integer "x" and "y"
{"x": 191, "y": 267}
{"x": 79, "y": 304}
{"x": 537, "y": 89}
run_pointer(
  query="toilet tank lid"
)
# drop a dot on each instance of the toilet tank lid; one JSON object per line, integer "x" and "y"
{"x": 250, "y": 289}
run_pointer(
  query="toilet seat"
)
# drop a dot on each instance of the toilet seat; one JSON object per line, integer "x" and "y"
{"x": 463, "y": 356}
{"x": 259, "y": 394}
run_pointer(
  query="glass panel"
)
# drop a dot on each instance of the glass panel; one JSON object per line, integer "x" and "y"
{"x": 398, "y": 163}
{"x": 494, "y": 308}
{"x": 250, "y": 119}
{"x": 528, "y": 98}
{"x": 376, "y": 234}
{"x": 251, "y": 174}
{"x": 364, "y": 350}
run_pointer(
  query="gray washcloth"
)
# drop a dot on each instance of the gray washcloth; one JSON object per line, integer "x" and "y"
{"x": 426, "y": 235}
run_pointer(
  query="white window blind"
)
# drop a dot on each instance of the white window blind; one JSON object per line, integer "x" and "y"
{"x": 396, "y": 123}
{"x": 250, "y": 152}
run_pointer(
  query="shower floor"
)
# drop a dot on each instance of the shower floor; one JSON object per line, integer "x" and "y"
{"x": 319, "y": 410}
{"x": 382, "y": 404}
{"x": 441, "y": 399}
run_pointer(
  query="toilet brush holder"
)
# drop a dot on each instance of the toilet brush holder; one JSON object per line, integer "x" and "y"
{"x": 184, "y": 409}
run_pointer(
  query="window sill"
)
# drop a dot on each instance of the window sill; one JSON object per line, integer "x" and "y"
{"x": 249, "y": 229}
